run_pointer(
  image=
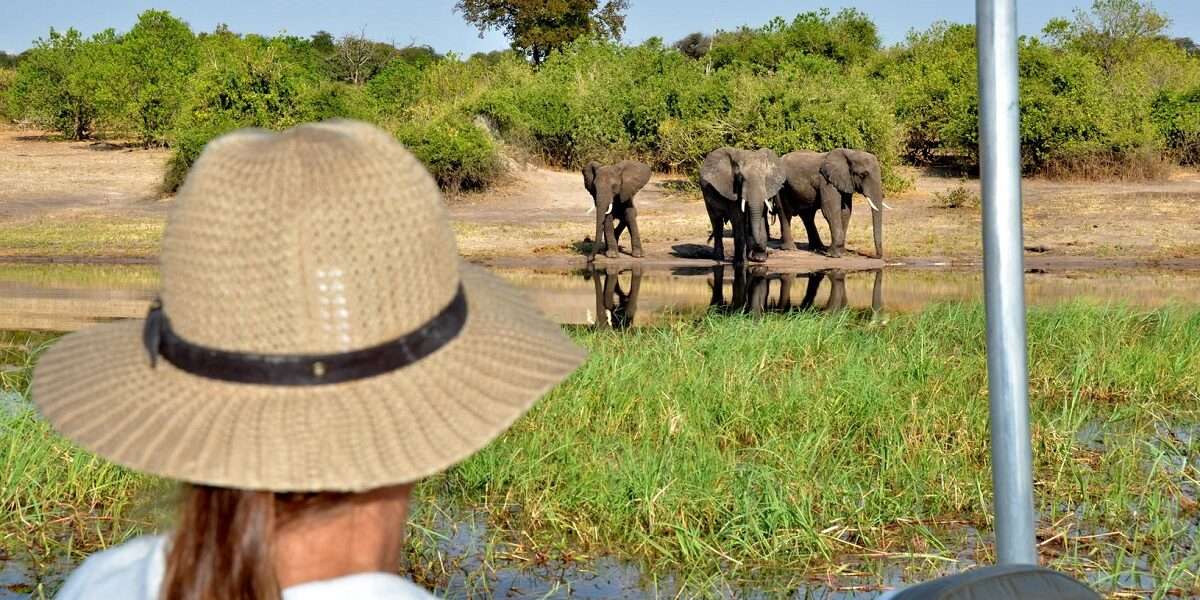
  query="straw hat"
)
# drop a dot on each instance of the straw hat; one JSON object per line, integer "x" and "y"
{"x": 312, "y": 334}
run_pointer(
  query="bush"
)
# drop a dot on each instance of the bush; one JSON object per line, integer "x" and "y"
{"x": 156, "y": 60}
{"x": 242, "y": 82}
{"x": 58, "y": 82}
{"x": 848, "y": 37}
{"x": 7, "y": 77}
{"x": 958, "y": 197}
{"x": 458, "y": 154}
{"x": 1176, "y": 116}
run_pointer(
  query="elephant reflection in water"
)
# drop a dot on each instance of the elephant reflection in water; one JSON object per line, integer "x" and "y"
{"x": 615, "y": 306}
{"x": 753, "y": 286}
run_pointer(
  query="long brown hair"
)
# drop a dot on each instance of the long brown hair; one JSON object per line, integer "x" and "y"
{"x": 223, "y": 546}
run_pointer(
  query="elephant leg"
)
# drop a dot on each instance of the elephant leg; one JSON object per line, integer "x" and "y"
{"x": 618, "y": 230}
{"x": 809, "y": 217}
{"x": 847, "y": 209}
{"x": 738, "y": 221}
{"x": 787, "y": 242}
{"x": 610, "y": 238}
{"x": 598, "y": 241}
{"x": 718, "y": 234}
{"x": 831, "y": 208}
{"x": 635, "y": 238}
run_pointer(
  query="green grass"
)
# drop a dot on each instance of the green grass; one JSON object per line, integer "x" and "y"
{"x": 82, "y": 236}
{"x": 784, "y": 449}
{"x": 74, "y": 275}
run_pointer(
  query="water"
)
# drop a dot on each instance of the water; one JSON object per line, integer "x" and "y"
{"x": 67, "y": 297}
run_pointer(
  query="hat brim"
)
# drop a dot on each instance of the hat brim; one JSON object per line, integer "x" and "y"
{"x": 97, "y": 388}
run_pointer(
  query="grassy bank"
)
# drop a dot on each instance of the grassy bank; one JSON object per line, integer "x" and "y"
{"x": 89, "y": 237}
{"x": 792, "y": 447}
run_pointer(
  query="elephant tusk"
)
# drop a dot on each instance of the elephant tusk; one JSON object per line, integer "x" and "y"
{"x": 591, "y": 209}
{"x": 885, "y": 205}
{"x": 873, "y": 207}
{"x": 743, "y": 204}
{"x": 609, "y": 211}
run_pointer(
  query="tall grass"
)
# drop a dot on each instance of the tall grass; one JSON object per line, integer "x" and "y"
{"x": 792, "y": 445}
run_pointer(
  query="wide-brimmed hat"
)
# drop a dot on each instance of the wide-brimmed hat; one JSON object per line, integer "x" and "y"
{"x": 317, "y": 329}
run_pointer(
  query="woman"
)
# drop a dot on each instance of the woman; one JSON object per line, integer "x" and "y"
{"x": 318, "y": 347}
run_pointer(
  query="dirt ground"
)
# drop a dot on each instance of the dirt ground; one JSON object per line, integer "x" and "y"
{"x": 539, "y": 217}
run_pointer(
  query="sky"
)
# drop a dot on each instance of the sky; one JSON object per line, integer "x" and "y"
{"x": 434, "y": 22}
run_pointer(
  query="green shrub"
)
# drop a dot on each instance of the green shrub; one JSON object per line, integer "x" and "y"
{"x": 848, "y": 37}
{"x": 58, "y": 84}
{"x": 933, "y": 82}
{"x": 7, "y": 77}
{"x": 457, "y": 153}
{"x": 155, "y": 59}
{"x": 1177, "y": 118}
{"x": 242, "y": 82}
{"x": 958, "y": 197}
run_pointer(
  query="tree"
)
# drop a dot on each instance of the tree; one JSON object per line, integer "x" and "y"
{"x": 10, "y": 60}
{"x": 156, "y": 59}
{"x": 1188, "y": 45}
{"x": 694, "y": 45}
{"x": 322, "y": 41}
{"x": 537, "y": 27}
{"x": 357, "y": 58}
{"x": 1112, "y": 32}
{"x": 57, "y": 82}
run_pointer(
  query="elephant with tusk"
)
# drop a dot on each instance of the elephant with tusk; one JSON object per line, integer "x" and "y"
{"x": 827, "y": 182}
{"x": 612, "y": 188}
{"x": 737, "y": 186}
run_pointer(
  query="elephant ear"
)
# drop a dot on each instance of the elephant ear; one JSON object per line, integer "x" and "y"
{"x": 776, "y": 173}
{"x": 720, "y": 171}
{"x": 589, "y": 177}
{"x": 634, "y": 176}
{"x": 836, "y": 170}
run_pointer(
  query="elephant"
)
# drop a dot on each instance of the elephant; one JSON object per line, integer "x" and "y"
{"x": 612, "y": 188}
{"x": 737, "y": 184}
{"x": 615, "y": 308}
{"x": 828, "y": 182}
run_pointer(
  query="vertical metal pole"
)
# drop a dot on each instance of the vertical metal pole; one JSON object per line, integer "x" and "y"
{"x": 1003, "y": 275}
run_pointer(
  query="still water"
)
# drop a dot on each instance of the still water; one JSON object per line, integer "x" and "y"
{"x": 67, "y": 297}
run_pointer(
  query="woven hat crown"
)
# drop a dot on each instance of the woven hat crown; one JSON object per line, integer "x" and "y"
{"x": 326, "y": 238}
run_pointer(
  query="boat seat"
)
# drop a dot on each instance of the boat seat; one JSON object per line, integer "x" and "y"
{"x": 1003, "y": 582}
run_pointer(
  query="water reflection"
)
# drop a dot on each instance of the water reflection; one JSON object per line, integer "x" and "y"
{"x": 756, "y": 290}
{"x": 67, "y": 297}
{"x": 616, "y": 304}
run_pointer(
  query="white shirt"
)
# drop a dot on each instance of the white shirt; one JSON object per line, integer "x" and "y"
{"x": 134, "y": 570}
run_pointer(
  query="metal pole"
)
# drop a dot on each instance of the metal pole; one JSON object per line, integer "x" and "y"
{"x": 1003, "y": 276}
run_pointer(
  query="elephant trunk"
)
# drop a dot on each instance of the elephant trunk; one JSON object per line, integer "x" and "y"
{"x": 756, "y": 216}
{"x": 877, "y": 206}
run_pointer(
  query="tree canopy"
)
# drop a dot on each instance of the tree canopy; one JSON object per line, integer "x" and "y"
{"x": 1111, "y": 32}
{"x": 537, "y": 27}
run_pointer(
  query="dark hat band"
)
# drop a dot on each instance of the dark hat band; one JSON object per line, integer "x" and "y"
{"x": 302, "y": 369}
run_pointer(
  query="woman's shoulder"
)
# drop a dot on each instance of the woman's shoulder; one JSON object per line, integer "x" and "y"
{"x": 132, "y": 570}
{"x": 365, "y": 586}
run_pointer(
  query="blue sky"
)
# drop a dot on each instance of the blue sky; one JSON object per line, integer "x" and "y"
{"x": 433, "y": 22}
